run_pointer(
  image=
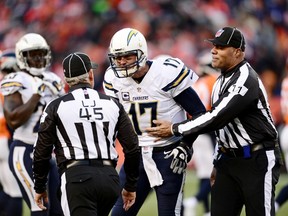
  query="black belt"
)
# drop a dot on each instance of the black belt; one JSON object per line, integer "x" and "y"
{"x": 243, "y": 152}
{"x": 86, "y": 162}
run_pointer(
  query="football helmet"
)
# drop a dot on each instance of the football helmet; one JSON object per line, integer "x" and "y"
{"x": 8, "y": 62}
{"x": 125, "y": 42}
{"x": 33, "y": 54}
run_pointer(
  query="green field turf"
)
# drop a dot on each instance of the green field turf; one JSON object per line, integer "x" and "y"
{"x": 149, "y": 207}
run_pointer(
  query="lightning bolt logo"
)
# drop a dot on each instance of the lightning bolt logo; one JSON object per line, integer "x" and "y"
{"x": 25, "y": 179}
{"x": 130, "y": 35}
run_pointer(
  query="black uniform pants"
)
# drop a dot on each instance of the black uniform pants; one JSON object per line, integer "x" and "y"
{"x": 245, "y": 181}
{"x": 89, "y": 190}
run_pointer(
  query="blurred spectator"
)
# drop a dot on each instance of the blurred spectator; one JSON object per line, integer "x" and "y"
{"x": 270, "y": 81}
{"x": 282, "y": 197}
{"x": 271, "y": 71}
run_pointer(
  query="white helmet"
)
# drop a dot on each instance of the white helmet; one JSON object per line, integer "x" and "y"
{"x": 128, "y": 41}
{"x": 32, "y": 42}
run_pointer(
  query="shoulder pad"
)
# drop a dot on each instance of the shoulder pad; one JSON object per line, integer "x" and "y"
{"x": 12, "y": 83}
{"x": 50, "y": 76}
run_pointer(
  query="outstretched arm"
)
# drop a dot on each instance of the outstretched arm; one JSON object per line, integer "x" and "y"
{"x": 162, "y": 129}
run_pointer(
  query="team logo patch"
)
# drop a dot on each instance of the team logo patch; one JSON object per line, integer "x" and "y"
{"x": 130, "y": 35}
{"x": 125, "y": 96}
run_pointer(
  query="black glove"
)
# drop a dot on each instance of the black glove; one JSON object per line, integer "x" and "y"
{"x": 181, "y": 156}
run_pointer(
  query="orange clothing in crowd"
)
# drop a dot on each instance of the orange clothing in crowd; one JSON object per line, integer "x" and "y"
{"x": 204, "y": 86}
{"x": 284, "y": 100}
{"x": 4, "y": 132}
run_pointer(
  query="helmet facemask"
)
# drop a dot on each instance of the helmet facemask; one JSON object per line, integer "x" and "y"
{"x": 36, "y": 61}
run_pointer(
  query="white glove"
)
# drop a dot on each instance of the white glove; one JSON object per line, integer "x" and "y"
{"x": 54, "y": 86}
{"x": 38, "y": 86}
{"x": 181, "y": 155}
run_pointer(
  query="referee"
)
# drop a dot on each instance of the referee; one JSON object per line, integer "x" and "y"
{"x": 247, "y": 165}
{"x": 82, "y": 127}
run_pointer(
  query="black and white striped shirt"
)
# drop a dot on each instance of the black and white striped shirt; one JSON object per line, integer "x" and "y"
{"x": 240, "y": 112}
{"x": 84, "y": 124}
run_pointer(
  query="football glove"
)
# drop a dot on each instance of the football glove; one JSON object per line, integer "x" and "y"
{"x": 181, "y": 156}
{"x": 39, "y": 86}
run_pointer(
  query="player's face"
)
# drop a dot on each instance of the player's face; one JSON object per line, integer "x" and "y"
{"x": 36, "y": 58}
{"x": 224, "y": 58}
{"x": 125, "y": 60}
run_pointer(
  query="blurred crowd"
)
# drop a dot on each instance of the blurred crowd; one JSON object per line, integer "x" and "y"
{"x": 178, "y": 28}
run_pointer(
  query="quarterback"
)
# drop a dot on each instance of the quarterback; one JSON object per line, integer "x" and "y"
{"x": 150, "y": 90}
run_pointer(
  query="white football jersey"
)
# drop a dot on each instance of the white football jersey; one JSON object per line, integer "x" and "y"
{"x": 23, "y": 83}
{"x": 152, "y": 98}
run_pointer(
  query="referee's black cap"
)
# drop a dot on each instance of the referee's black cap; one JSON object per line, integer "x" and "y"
{"x": 229, "y": 36}
{"x": 76, "y": 64}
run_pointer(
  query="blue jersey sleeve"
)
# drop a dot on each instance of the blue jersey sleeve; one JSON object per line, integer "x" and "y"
{"x": 191, "y": 102}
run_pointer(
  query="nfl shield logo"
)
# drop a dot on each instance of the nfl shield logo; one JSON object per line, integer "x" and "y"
{"x": 218, "y": 33}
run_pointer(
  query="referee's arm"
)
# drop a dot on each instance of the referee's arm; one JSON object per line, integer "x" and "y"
{"x": 228, "y": 106}
{"x": 129, "y": 141}
{"x": 43, "y": 150}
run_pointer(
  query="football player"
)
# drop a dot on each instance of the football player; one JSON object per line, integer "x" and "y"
{"x": 26, "y": 93}
{"x": 150, "y": 90}
{"x": 10, "y": 197}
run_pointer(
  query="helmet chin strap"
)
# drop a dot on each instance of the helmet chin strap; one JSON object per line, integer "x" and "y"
{"x": 130, "y": 71}
{"x": 36, "y": 71}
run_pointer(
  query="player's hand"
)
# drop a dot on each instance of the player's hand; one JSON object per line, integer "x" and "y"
{"x": 38, "y": 86}
{"x": 54, "y": 86}
{"x": 181, "y": 156}
{"x": 128, "y": 199}
{"x": 41, "y": 200}
{"x": 161, "y": 130}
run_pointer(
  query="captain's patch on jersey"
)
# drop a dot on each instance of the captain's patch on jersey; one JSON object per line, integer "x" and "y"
{"x": 125, "y": 96}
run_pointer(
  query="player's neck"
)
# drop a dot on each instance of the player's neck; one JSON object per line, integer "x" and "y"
{"x": 141, "y": 73}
